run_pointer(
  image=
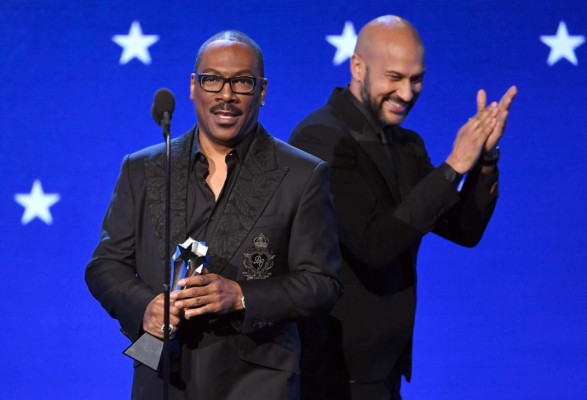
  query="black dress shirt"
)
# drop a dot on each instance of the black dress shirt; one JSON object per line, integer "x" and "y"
{"x": 202, "y": 205}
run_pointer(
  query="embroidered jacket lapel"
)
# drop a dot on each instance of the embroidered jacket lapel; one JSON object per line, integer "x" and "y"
{"x": 254, "y": 187}
{"x": 155, "y": 175}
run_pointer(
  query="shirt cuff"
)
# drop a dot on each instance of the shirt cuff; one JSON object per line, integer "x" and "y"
{"x": 452, "y": 176}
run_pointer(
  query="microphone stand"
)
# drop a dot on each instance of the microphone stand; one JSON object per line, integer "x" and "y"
{"x": 165, "y": 126}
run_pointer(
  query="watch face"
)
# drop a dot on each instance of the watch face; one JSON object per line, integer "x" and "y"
{"x": 493, "y": 153}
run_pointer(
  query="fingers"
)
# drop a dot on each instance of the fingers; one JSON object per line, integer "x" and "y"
{"x": 481, "y": 125}
{"x": 506, "y": 101}
{"x": 504, "y": 105}
{"x": 197, "y": 293}
{"x": 481, "y": 100}
{"x": 190, "y": 300}
{"x": 154, "y": 316}
{"x": 156, "y": 307}
{"x": 481, "y": 132}
{"x": 488, "y": 119}
{"x": 192, "y": 297}
{"x": 497, "y": 132}
{"x": 471, "y": 138}
{"x": 201, "y": 304}
{"x": 207, "y": 309}
{"x": 198, "y": 280}
{"x": 208, "y": 294}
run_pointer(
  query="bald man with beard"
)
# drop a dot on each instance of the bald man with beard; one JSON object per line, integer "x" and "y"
{"x": 387, "y": 196}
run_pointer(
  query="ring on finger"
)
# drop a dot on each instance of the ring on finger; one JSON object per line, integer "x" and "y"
{"x": 171, "y": 328}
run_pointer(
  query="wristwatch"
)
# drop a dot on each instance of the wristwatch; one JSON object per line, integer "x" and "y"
{"x": 491, "y": 157}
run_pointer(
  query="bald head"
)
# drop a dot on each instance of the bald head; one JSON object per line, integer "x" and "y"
{"x": 235, "y": 37}
{"x": 385, "y": 31}
{"x": 387, "y": 68}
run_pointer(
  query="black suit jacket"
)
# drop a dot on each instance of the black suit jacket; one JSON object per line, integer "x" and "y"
{"x": 282, "y": 193}
{"x": 383, "y": 210}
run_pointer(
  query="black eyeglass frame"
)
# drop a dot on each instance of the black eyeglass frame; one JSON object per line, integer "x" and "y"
{"x": 200, "y": 78}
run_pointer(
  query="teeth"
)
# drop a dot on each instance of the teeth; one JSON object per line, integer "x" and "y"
{"x": 395, "y": 104}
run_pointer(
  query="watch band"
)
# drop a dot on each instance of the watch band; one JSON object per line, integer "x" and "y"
{"x": 491, "y": 158}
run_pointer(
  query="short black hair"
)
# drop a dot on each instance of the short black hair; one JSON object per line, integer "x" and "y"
{"x": 233, "y": 36}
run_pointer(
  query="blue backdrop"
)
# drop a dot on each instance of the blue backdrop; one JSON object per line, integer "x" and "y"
{"x": 506, "y": 320}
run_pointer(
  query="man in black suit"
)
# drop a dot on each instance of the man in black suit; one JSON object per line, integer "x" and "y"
{"x": 387, "y": 196}
{"x": 263, "y": 208}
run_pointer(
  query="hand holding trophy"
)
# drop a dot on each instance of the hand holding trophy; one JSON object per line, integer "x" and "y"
{"x": 189, "y": 260}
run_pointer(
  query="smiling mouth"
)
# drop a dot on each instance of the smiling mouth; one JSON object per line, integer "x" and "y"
{"x": 226, "y": 118}
{"x": 225, "y": 113}
{"x": 395, "y": 106}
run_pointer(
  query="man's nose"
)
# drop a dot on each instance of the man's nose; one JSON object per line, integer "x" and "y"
{"x": 405, "y": 90}
{"x": 226, "y": 93}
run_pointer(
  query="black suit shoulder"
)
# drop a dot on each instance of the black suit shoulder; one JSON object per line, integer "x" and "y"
{"x": 288, "y": 155}
{"x": 158, "y": 150}
{"x": 331, "y": 132}
{"x": 326, "y": 119}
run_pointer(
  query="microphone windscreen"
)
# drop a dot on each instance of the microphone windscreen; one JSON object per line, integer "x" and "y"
{"x": 155, "y": 115}
{"x": 163, "y": 101}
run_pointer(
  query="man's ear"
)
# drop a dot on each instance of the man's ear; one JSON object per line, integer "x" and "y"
{"x": 357, "y": 67}
{"x": 193, "y": 83}
{"x": 263, "y": 91}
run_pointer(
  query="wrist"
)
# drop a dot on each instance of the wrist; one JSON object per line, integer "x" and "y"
{"x": 451, "y": 175}
{"x": 456, "y": 165}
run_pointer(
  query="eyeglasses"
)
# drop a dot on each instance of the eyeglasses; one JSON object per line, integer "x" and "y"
{"x": 238, "y": 84}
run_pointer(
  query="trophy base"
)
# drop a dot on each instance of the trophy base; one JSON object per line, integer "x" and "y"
{"x": 147, "y": 350}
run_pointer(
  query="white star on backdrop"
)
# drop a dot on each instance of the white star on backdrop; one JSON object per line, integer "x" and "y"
{"x": 36, "y": 204}
{"x": 562, "y": 45}
{"x": 344, "y": 43}
{"x": 135, "y": 44}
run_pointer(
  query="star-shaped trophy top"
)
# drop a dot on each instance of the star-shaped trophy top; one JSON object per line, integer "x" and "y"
{"x": 189, "y": 260}
{"x": 185, "y": 253}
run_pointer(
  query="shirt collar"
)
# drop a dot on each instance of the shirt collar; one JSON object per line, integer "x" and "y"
{"x": 240, "y": 149}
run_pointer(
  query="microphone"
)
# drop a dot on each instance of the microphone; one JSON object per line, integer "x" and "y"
{"x": 162, "y": 108}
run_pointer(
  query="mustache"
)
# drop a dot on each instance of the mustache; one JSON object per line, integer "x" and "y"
{"x": 226, "y": 107}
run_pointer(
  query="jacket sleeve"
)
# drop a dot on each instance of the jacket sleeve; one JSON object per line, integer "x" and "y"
{"x": 375, "y": 232}
{"x": 465, "y": 223}
{"x": 111, "y": 274}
